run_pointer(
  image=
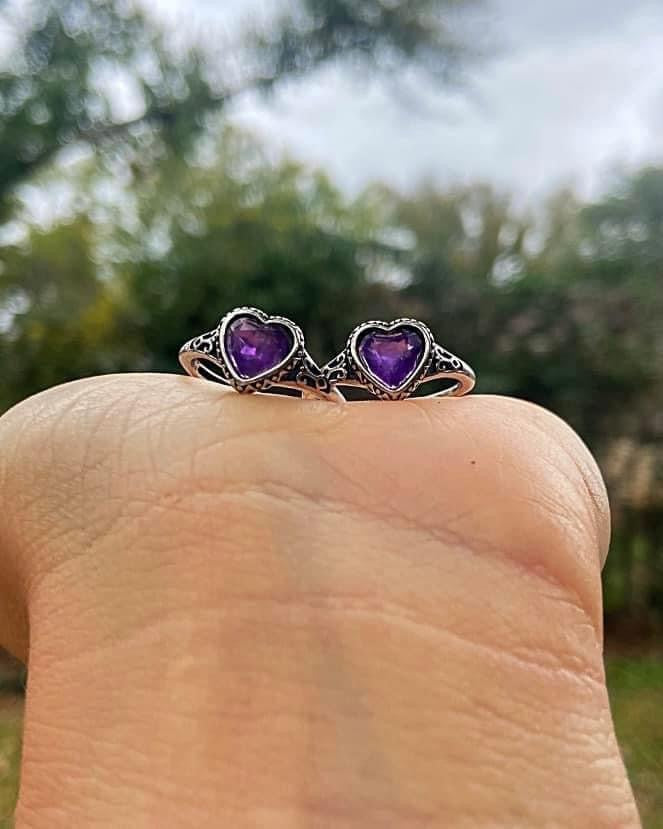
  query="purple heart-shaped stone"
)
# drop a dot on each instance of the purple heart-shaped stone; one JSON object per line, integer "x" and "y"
{"x": 255, "y": 348}
{"x": 392, "y": 357}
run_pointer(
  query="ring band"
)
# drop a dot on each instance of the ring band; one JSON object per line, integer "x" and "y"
{"x": 251, "y": 352}
{"x": 391, "y": 360}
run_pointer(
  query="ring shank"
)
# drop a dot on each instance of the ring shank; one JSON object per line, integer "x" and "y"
{"x": 465, "y": 381}
{"x": 195, "y": 363}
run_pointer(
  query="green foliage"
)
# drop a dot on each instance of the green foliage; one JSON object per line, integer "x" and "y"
{"x": 547, "y": 309}
{"x": 11, "y": 727}
{"x": 278, "y": 237}
{"x": 59, "y": 316}
{"x": 636, "y": 692}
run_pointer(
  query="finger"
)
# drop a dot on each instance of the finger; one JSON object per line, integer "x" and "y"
{"x": 376, "y": 614}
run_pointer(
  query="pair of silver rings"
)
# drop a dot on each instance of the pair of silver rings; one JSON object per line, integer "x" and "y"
{"x": 251, "y": 352}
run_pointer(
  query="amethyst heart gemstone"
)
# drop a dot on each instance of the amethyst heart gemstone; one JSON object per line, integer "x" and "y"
{"x": 393, "y": 357}
{"x": 255, "y": 348}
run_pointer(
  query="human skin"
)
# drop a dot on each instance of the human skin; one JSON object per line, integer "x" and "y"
{"x": 267, "y": 612}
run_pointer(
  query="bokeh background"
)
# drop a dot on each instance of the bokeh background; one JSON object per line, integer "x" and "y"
{"x": 494, "y": 168}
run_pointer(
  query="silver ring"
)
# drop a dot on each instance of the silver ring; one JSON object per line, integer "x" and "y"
{"x": 251, "y": 352}
{"x": 391, "y": 360}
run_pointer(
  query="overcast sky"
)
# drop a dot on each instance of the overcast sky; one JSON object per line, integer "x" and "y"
{"x": 577, "y": 90}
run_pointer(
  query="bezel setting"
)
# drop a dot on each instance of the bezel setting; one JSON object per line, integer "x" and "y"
{"x": 374, "y": 383}
{"x": 272, "y": 374}
{"x": 349, "y": 367}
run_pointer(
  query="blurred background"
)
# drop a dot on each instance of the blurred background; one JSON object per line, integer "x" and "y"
{"x": 494, "y": 168}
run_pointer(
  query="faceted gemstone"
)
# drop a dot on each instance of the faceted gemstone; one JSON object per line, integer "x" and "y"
{"x": 393, "y": 357}
{"x": 255, "y": 347}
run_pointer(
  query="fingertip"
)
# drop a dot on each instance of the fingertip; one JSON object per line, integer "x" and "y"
{"x": 568, "y": 450}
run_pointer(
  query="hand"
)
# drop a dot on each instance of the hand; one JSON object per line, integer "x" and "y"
{"x": 265, "y": 612}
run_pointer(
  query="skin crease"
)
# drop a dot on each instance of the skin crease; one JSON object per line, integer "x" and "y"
{"x": 262, "y": 612}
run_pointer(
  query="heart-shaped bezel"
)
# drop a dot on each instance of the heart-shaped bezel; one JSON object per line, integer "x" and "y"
{"x": 415, "y": 377}
{"x": 266, "y": 320}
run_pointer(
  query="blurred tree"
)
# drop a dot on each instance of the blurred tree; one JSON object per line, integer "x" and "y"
{"x": 72, "y": 64}
{"x": 381, "y": 35}
{"x": 97, "y": 72}
{"x": 619, "y": 290}
{"x": 469, "y": 277}
{"x": 608, "y": 267}
{"x": 564, "y": 310}
{"x": 58, "y": 319}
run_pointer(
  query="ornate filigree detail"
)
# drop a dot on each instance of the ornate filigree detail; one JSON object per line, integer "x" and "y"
{"x": 336, "y": 371}
{"x": 445, "y": 361}
{"x": 309, "y": 375}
